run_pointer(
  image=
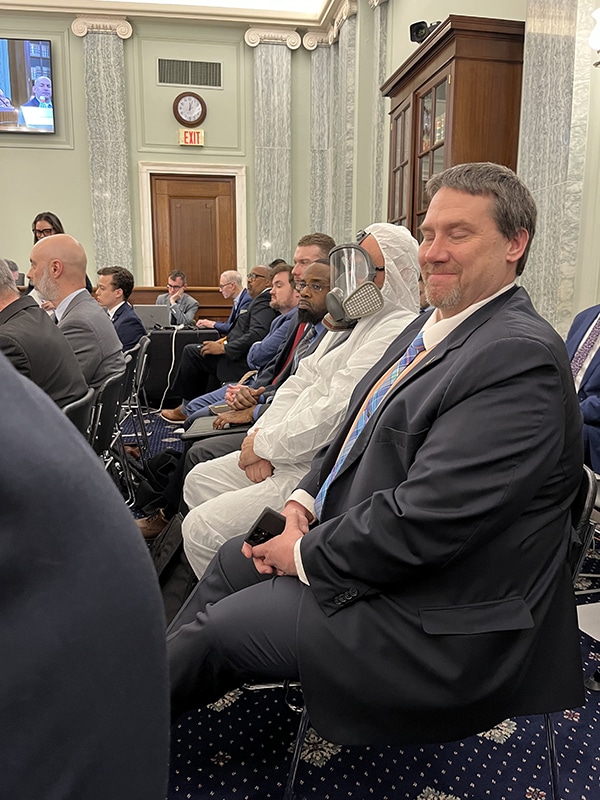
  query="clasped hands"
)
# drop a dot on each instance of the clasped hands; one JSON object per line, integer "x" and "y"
{"x": 276, "y": 556}
{"x": 257, "y": 469}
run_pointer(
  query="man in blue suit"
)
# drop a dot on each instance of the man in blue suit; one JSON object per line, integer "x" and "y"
{"x": 583, "y": 346}
{"x": 230, "y": 286}
{"x": 115, "y": 285}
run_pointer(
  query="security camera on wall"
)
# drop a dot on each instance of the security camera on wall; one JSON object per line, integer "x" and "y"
{"x": 419, "y": 31}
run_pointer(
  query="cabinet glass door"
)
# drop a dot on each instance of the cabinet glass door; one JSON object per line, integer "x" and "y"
{"x": 431, "y": 139}
{"x": 400, "y": 182}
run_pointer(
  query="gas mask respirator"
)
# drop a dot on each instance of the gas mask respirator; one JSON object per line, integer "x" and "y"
{"x": 353, "y": 294}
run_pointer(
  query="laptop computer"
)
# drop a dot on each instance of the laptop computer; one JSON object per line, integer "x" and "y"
{"x": 153, "y": 316}
{"x": 203, "y": 426}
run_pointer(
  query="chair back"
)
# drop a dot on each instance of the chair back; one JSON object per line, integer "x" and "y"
{"x": 582, "y": 529}
{"x": 79, "y": 411}
{"x": 105, "y": 413}
{"x": 131, "y": 358}
{"x": 143, "y": 360}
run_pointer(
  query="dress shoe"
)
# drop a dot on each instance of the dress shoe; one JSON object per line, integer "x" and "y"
{"x": 133, "y": 451}
{"x": 173, "y": 414}
{"x": 151, "y": 526}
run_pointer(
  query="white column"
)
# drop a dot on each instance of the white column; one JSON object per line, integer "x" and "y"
{"x": 333, "y": 99}
{"x": 378, "y": 111}
{"x": 552, "y": 153}
{"x": 272, "y": 136}
{"x": 104, "y": 74}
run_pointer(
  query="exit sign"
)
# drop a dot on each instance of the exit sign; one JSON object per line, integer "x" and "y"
{"x": 187, "y": 136}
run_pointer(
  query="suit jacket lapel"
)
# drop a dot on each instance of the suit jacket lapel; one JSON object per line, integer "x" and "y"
{"x": 455, "y": 339}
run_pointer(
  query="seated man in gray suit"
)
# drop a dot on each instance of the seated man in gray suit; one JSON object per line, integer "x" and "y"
{"x": 35, "y": 346}
{"x": 183, "y": 307}
{"x": 422, "y": 584}
{"x": 58, "y": 273}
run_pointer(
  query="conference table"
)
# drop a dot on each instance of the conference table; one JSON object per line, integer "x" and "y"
{"x": 166, "y": 347}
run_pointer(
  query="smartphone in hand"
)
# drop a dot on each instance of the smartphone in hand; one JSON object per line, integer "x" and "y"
{"x": 269, "y": 524}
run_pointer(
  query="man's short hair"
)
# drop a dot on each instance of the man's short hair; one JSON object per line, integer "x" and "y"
{"x": 231, "y": 276}
{"x": 514, "y": 208}
{"x": 7, "y": 282}
{"x": 283, "y": 267}
{"x": 121, "y": 279}
{"x": 324, "y": 242}
{"x": 276, "y": 262}
{"x": 177, "y": 273}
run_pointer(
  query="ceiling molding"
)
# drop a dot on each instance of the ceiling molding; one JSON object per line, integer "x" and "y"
{"x": 323, "y": 19}
{"x": 327, "y": 36}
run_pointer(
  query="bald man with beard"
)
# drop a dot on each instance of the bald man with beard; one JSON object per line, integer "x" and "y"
{"x": 58, "y": 269}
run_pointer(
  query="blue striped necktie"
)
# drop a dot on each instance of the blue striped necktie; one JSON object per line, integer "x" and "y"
{"x": 370, "y": 405}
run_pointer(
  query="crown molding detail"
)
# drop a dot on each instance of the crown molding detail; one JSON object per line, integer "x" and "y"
{"x": 255, "y": 36}
{"x": 375, "y": 3}
{"x": 314, "y": 38}
{"x": 81, "y": 26}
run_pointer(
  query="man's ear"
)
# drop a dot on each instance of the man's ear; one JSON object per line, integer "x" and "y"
{"x": 56, "y": 268}
{"x": 516, "y": 246}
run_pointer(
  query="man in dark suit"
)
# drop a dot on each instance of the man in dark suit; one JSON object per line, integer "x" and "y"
{"x": 432, "y": 590}
{"x": 583, "y": 346}
{"x": 83, "y": 681}
{"x": 225, "y": 360}
{"x": 115, "y": 285}
{"x": 230, "y": 286}
{"x": 35, "y": 346}
{"x": 57, "y": 271}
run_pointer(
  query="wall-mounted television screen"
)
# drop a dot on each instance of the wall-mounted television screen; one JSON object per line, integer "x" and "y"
{"x": 26, "y": 98}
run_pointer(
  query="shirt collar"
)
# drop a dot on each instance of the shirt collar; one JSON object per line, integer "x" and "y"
{"x": 62, "y": 306}
{"x": 435, "y": 330}
{"x": 113, "y": 310}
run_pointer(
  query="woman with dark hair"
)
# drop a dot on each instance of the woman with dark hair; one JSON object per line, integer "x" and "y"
{"x": 46, "y": 224}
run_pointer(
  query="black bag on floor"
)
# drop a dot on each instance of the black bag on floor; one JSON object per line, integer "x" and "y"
{"x": 175, "y": 576}
{"x": 157, "y": 470}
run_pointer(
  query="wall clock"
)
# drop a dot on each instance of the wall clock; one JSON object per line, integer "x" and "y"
{"x": 189, "y": 109}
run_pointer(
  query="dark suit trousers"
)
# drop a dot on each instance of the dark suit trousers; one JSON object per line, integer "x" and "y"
{"x": 200, "y": 451}
{"x": 194, "y": 372}
{"x": 236, "y": 627}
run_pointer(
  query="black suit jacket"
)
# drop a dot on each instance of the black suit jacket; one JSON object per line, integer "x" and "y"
{"x": 83, "y": 685}
{"x": 251, "y": 326}
{"x": 439, "y": 591}
{"x": 39, "y": 350}
{"x": 128, "y": 325}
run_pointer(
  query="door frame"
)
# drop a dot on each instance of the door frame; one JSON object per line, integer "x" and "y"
{"x": 149, "y": 168}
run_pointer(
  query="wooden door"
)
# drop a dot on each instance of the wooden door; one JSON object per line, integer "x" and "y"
{"x": 193, "y": 227}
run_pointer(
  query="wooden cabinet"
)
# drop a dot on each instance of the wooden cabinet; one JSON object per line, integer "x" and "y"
{"x": 456, "y": 99}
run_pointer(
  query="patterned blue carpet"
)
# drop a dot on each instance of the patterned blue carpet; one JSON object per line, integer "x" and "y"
{"x": 240, "y": 747}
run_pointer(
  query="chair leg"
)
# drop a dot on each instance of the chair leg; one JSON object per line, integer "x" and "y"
{"x": 552, "y": 757}
{"x": 593, "y": 683}
{"x": 301, "y": 735}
